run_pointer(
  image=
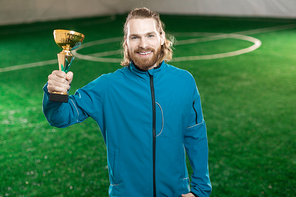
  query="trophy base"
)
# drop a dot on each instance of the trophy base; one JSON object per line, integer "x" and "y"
{"x": 58, "y": 97}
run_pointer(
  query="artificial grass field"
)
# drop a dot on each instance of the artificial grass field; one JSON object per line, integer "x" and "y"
{"x": 248, "y": 102}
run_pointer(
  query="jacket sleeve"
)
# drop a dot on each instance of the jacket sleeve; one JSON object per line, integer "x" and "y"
{"x": 196, "y": 145}
{"x": 62, "y": 114}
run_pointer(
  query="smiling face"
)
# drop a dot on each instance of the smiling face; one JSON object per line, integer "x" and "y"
{"x": 144, "y": 42}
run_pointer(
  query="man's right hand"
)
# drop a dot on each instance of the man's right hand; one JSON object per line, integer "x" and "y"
{"x": 59, "y": 81}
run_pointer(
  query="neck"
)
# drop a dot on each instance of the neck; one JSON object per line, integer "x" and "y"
{"x": 155, "y": 66}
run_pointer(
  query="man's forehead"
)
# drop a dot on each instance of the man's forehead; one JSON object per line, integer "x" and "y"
{"x": 141, "y": 26}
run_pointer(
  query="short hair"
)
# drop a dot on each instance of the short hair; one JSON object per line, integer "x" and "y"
{"x": 144, "y": 13}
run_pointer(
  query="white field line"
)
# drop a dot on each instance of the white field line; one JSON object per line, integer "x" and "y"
{"x": 267, "y": 29}
{"x": 106, "y": 53}
{"x": 98, "y": 59}
{"x": 248, "y": 32}
{"x": 36, "y": 64}
{"x": 257, "y": 44}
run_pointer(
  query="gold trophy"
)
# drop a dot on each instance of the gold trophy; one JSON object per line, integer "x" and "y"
{"x": 68, "y": 40}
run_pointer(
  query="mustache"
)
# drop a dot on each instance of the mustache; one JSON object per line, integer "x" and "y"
{"x": 141, "y": 50}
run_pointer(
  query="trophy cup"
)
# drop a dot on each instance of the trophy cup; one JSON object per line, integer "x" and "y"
{"x": 68, "y": 40}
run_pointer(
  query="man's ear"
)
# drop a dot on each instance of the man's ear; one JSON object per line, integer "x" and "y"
{"x": 162, "y": 38}
{"x": 125, "y": 41}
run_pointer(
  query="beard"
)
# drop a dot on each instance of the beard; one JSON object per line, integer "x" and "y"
{"x": 144, "y": 63}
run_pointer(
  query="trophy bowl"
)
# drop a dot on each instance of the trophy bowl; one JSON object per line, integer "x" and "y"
{"x": 67, "y": 39}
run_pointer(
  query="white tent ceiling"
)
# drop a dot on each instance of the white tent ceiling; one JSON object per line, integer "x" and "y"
{"x": 20, "y": 11}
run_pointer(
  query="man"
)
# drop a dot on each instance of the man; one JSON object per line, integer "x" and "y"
{"x": 149, "y": 113}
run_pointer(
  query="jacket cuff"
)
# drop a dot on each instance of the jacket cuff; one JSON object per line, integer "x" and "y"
{"x": 194, "y": 194}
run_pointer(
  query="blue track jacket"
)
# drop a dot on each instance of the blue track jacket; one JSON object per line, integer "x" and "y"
{"x": 148, "y": 120}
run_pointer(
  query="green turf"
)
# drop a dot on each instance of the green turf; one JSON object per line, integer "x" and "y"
{"x": 248, "y": 103}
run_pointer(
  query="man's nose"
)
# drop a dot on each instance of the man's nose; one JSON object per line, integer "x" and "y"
{"x": 143, "y": 43}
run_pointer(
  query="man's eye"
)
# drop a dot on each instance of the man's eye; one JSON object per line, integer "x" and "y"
{"x": 134, "y": 37}
{"x": 151, "y": 36}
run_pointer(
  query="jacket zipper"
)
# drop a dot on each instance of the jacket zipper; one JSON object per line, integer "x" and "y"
{"x": 153, "y": 131}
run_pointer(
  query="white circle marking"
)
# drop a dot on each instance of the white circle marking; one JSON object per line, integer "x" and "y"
{"x": 207, "y": 37}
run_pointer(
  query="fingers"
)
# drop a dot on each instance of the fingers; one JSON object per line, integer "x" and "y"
{"x": 69, "y": 77}
{"x": 59, "y": 81}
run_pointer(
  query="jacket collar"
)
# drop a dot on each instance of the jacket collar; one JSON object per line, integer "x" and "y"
{"x": 136, "y": 70}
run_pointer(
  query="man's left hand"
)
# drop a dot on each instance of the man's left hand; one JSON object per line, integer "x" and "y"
{"x": 188, "y": 195}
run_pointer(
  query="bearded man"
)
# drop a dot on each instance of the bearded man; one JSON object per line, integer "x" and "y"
{"x": 149, "y": 113}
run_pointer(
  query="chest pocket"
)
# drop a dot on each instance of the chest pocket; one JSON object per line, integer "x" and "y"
{"x": 159, "y": 119}
{"x": 170, "y": 115}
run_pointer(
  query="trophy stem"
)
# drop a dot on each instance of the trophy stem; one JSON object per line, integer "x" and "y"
{"x": 65, "y": 58}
